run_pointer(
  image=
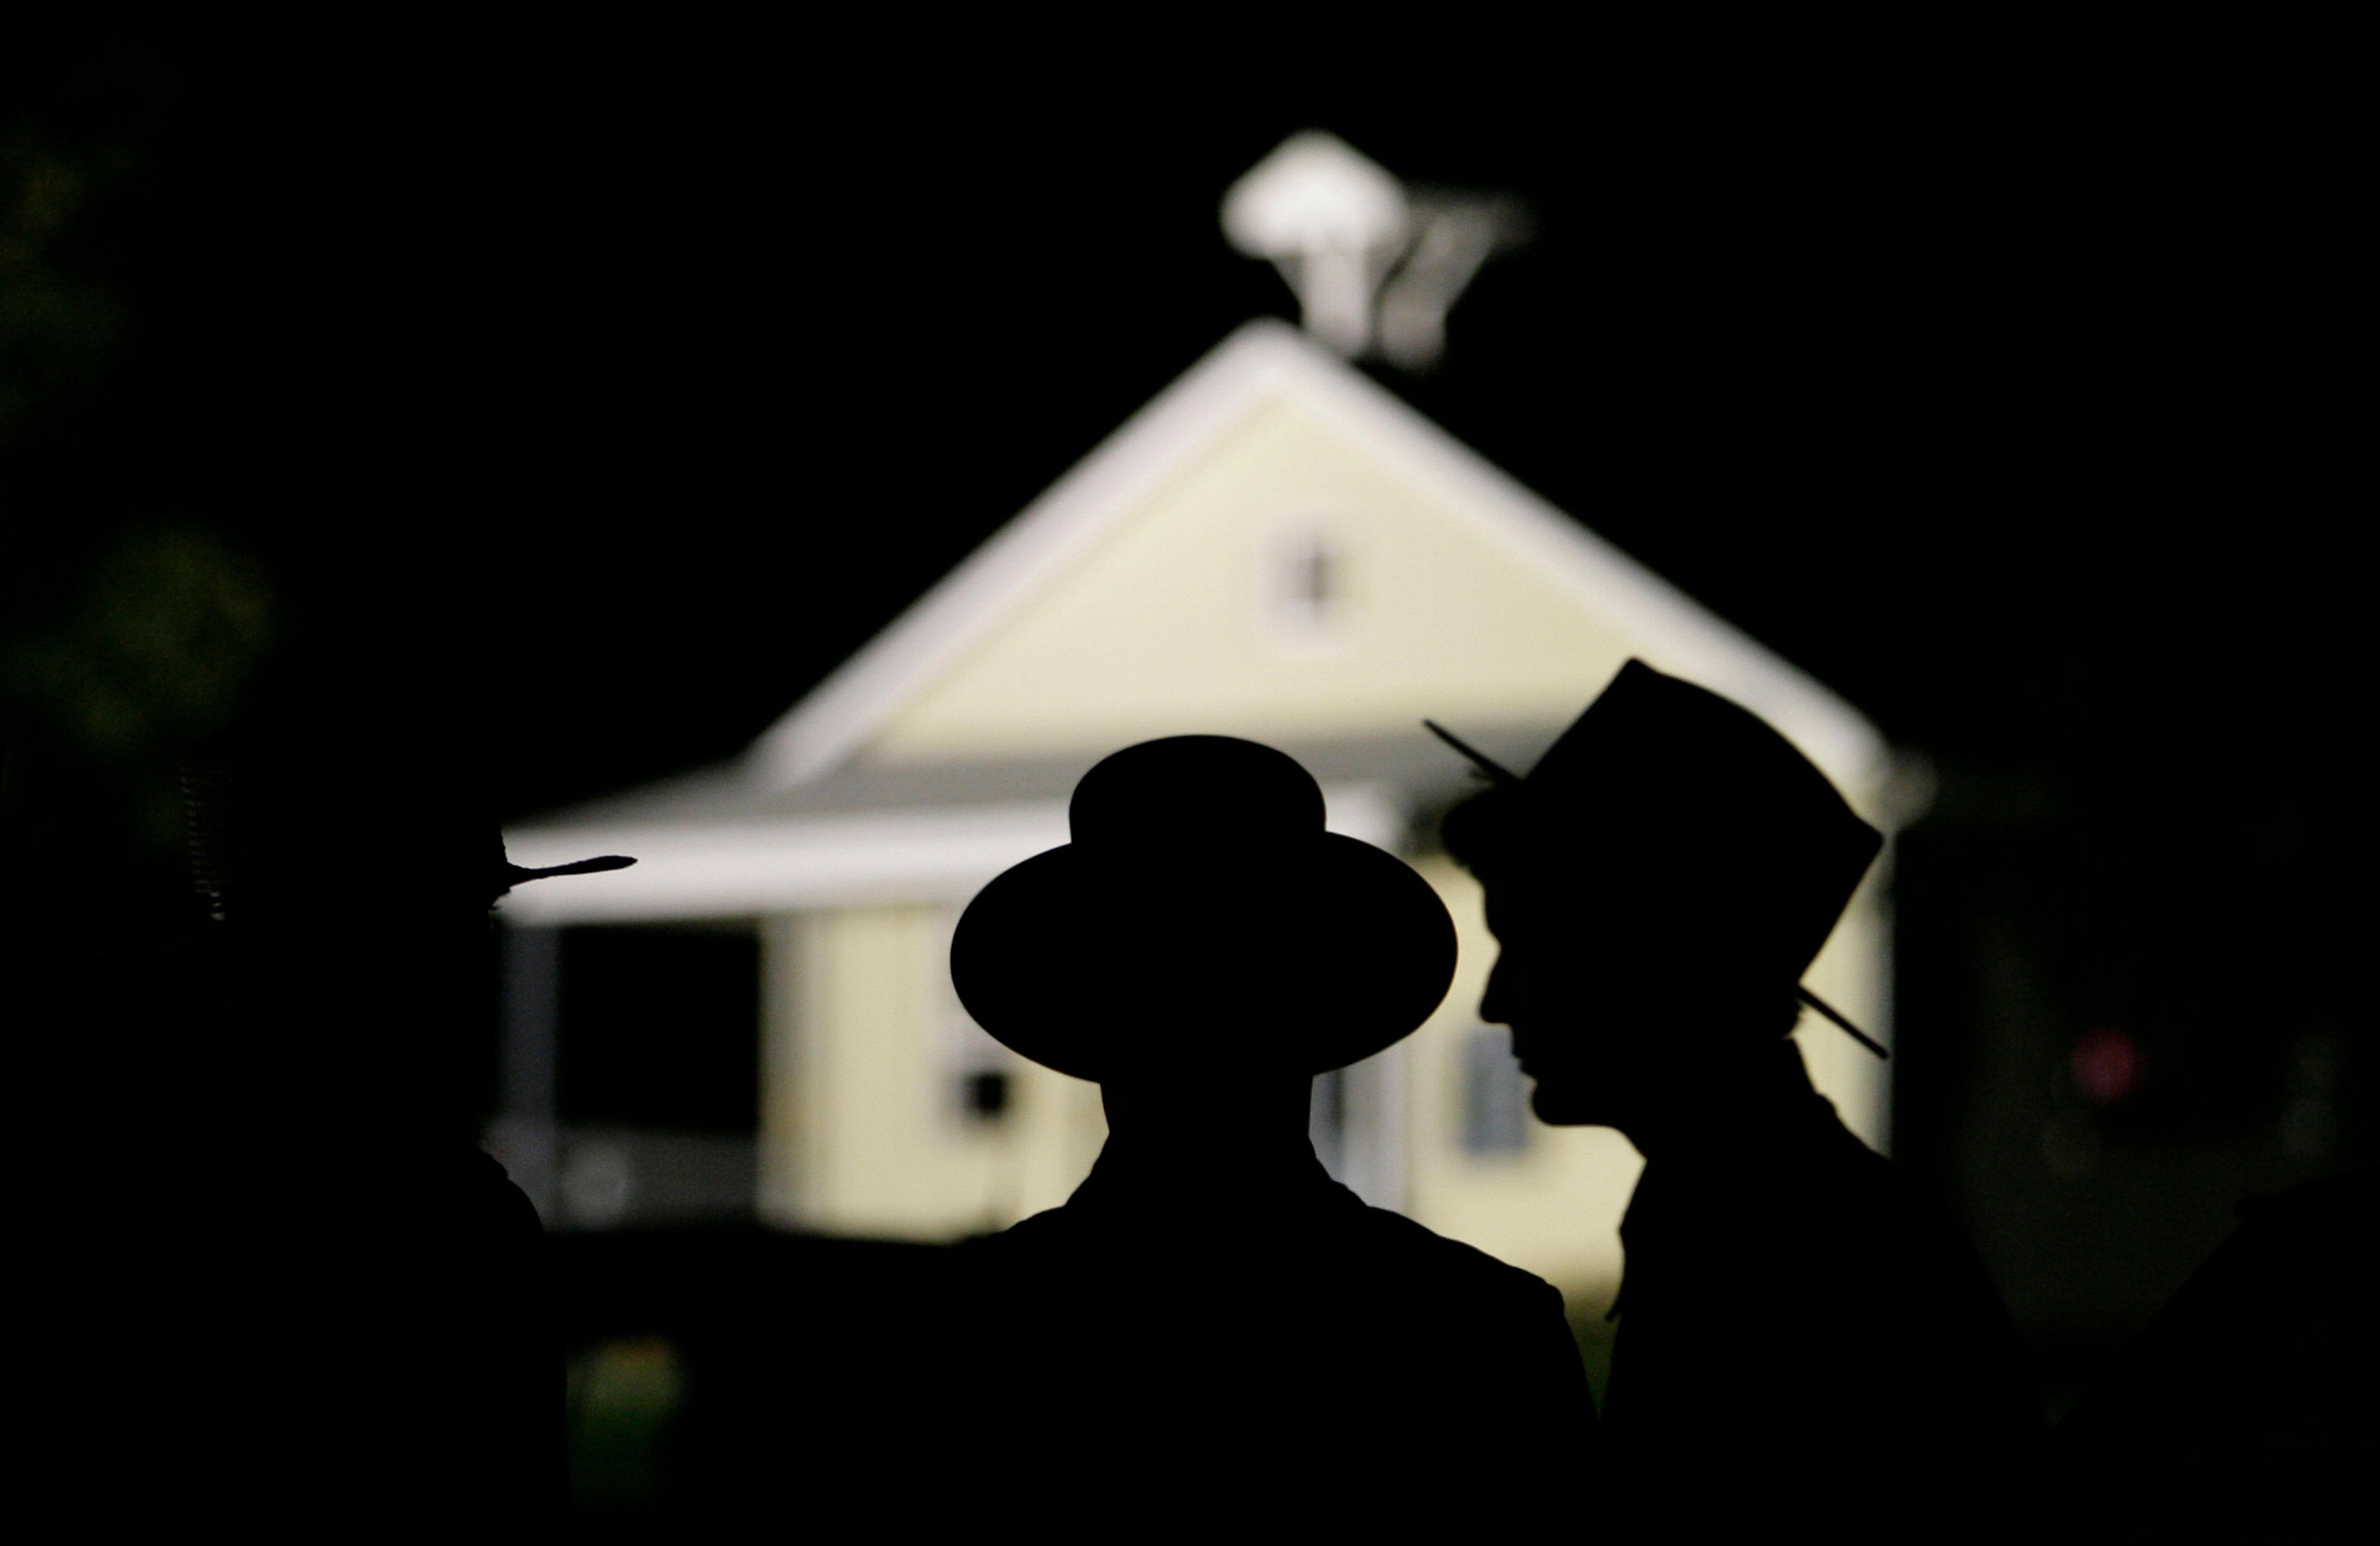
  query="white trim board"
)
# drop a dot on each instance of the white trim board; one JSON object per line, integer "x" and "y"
{"x": 751, "y": 868}
{"x": 1266, "y": 357}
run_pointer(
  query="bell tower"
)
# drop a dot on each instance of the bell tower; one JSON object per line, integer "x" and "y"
{"x": 1375, "y": 264}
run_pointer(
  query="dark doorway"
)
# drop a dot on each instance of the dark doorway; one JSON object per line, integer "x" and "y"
{"x": 652, "y": 1072}
{"x": 659, "y": 1028}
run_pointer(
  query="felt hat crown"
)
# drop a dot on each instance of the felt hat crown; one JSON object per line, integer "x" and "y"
{"x": 1201, "y": 897}
{"x": 1680, "y": 805}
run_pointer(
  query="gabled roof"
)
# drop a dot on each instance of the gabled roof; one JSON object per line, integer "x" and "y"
{"x": 1263, "y": 360}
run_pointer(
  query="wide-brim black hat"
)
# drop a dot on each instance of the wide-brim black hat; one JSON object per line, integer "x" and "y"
{"x": 1692, "y": 813}
{"x": 1202, "y": 897}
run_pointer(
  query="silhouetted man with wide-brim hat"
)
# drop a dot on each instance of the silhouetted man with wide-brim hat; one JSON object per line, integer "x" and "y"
{"x": 1210, "y": 1321}
{"x": 1792, "y": 1322}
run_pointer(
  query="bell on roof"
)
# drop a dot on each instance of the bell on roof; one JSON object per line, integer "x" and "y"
{"x": 1375, "y": 265}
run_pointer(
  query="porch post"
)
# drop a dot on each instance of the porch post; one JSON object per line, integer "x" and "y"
{"x": 527, "y": 1124}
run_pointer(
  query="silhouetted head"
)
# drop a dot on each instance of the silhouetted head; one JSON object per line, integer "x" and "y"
{"x": 1202, "y": 928}
{"x": 350, "y": 865}
{"x": 330, "y": 823}
{"x": 1657, "y": 885}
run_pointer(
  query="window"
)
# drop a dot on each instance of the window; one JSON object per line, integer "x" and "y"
{"x": 977, "y": 1075}
{"x": 632, "y": 1072}
{"x": 1494, "y": 1094}
{"x": 1308, "y": 592}
{"x": 659, "y": 1028}
{"x": 977, "y": 1082}
{"x": 1313, "y": 581}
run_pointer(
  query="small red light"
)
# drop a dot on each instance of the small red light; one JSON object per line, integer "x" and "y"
{"x": 2108, "y": 1066}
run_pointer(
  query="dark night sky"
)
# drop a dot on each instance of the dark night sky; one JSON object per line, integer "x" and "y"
{"x": 2009, "y": 374}
{"x": 1990, "y": 370}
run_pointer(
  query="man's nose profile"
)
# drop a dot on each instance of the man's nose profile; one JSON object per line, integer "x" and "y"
{"x": 1494, "y": 1000}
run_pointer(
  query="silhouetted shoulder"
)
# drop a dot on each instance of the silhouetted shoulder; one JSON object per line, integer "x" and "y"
{"x": 1388, "y": 1252}
{"x": 2243, "y": 1411}
{"x": 453, "y": 1191}
{"x": 1453, "y": 1262}
{"x": 1050, "y": 1224}
{"x": 498, "y": 1206}
{"x": 1151, "y": 1344}
{"x": 1477, "y": 1337}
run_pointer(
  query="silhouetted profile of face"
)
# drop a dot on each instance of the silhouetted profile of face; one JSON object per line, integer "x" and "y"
{"x": 1621, "y": 973}
{"x": 1618, "y": 1008}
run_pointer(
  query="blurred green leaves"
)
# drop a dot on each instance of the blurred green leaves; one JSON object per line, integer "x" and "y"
{"x": 57, "y": 327}
{"x": 155, "y": 648}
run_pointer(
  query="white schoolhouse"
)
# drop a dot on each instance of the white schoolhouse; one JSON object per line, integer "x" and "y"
{"x": 1276, "y": 547}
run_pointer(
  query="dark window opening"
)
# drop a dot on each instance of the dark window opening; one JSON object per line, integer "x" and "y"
{"x": 659, "y": 1029}
{"x": 1309, "y": 588}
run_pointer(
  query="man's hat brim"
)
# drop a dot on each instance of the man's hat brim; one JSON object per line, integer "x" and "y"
{"x": 1660, "y": 777}
{"x": 1306, "y": 962}
{"x": 515, "y": 874}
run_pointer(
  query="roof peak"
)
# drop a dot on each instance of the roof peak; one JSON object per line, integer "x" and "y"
{"x": 1262, "y": 359}
{"x": 1376, "y": 262}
